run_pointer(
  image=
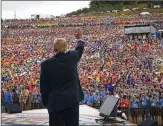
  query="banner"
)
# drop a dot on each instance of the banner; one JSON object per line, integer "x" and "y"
{"x": 46, "y": 25}
{"x": 137, "y": 29}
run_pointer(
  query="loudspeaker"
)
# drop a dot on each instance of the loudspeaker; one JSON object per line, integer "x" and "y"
{"x": 109, "y": 107}
{"x": 149, "y": 122}
{"x": 13, "y": 108}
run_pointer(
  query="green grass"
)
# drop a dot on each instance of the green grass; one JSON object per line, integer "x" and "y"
{"x": 145, "y": 5}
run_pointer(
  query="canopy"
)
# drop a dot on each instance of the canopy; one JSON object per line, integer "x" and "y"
{"x": 144, "y": 13}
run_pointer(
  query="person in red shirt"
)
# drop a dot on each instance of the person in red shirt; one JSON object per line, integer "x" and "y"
{"x": 125, "y": 103}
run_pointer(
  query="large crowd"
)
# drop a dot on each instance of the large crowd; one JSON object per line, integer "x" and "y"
{"x": 126, "y": 66}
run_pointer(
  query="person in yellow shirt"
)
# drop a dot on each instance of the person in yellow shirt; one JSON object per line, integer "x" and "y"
{"x": 109, "y": 65}
{"x": 97, "y": 79}
{"x": 36, "y": 82}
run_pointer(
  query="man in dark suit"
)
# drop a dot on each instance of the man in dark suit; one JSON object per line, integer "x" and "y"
{"x": 59, "y": 84}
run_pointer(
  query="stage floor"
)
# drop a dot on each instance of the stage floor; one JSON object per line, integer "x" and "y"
{"x": 40, "y": 117}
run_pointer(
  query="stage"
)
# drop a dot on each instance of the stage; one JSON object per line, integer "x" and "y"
{"x": 40, "y": 117}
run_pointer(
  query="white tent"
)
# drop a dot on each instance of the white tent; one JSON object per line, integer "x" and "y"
{"x": 144, "y": 13}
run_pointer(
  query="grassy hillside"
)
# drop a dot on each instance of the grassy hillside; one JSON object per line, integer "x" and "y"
{"x": 152, "y": 11}
{"x": 103, "y": 6}
{"x": 135, "y": 5}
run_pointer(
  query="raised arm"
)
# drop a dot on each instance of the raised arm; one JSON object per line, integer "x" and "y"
{"x": 79, "y": 49}
{"x": 80, "y": 45}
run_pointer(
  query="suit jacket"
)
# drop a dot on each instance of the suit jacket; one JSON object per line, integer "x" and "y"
{"x": 59, "y": 83}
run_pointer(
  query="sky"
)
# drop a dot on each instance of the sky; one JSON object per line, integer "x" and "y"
{"x": 24, "y": 9}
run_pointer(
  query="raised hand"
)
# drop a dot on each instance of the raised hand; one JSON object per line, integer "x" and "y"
{"x": 79, "y": 34}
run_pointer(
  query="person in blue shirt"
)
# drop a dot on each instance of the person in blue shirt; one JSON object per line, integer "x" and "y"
{"x": 95, "y": 83}
{"x": 95, "y": 97}
{"x": 140, "y": 66}
{"x": 129, "y": 80}
{"x": 85, "y": 97}
{"x": 154, "y": 102}
{"x": 102, "y": 94}
{"x": 150, "y": 65}
{"x": 8, "y": 97}
{"x": 134, "y": 108}
{"x": 109, "y": 87}
{"x": 38, "y": 86}
{"x": 2, "y": 79}
{"x": 134, "y": 103}
{"x": 144, "y": 101}
{"x": 90, "y": 100}
{"x": 161, "y": 102}
{"x": 38, "y": 101}
{"x": 107, "y": 93}
{"x": 35, "y": 95}
{"x": 96, "y": 102}
{"x": 145, "y": 105}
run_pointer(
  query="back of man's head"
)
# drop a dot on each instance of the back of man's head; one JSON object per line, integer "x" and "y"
{"x": 60, "y": 45}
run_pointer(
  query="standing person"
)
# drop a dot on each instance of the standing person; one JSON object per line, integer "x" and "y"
{"x": 134, "y": 108}
{"x": 89, "y": 99}
{"x": 31, "y": 98}
{"x": 15, "y": 97}
{"x": 59, "y": 84}
{"x": 8, "y": 97}
{"x": 26, "y": 99}
{"x": 34, "y": 94}
{"x": 154, "y": 105}
{"x": 21, "y": 100}
{"x": 145, "y": 104}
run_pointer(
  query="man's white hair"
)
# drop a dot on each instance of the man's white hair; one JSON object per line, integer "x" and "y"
{"x": 60, "y": 45}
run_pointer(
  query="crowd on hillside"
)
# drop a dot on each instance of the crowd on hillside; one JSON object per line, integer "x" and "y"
{"x": 83, "y": 21}
{"x": 129, "y": 67}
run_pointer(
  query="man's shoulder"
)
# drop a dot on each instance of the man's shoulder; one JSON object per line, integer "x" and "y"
{"x": 47, "y": 61}
{"x": 70, "y": 52}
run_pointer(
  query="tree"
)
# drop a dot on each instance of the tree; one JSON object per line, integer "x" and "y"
{"x": 98, "y": 6}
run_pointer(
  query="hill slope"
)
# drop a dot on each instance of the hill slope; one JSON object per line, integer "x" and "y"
{"x": 104, "y": 6}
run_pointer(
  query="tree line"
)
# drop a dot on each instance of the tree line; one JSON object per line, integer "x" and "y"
{"x": 104, "y": 6}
